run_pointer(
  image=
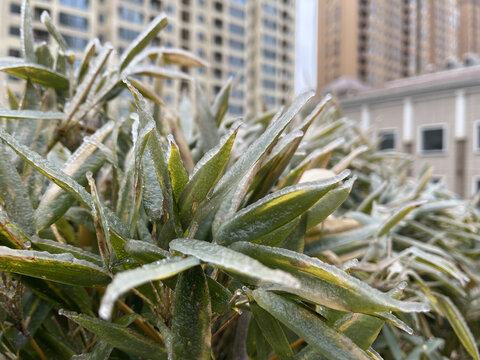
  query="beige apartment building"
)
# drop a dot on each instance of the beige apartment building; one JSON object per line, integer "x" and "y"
{"x": 435, "y": 117}
{"x": 377, "y": 41}
{"x": 469, "y": 27}
{"x": 252, "y": 41}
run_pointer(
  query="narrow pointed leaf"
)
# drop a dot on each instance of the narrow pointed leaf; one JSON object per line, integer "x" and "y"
{"x": 177, "y": 171}
{"x": 143, "y": 40}
{"x": 31, "y": 114}
{"x": 205, "y": 175}
{"x": 220, "y": 105}
{"x": 152, "y": 193}
{"x": 144, "y": 252}
{"x": 47, "y": 21}
{"x": 55, "y": 202}
{"x": 119, "y": 336}
{"x": 232, "y": 261}
{"x": 26, "y": 33}
{"x": 309, "y": 326}
{"x": 207, "y": 124}
{"x": 37, "y": 73}
{"x": 360, "y": 328}
{"x": 458, "y": 323}
{"x": 191, "y": 329}
{"x": 398, "y": 216}
{"x": 54, "y": 247}
{"x": 181, "y": 57}
{"x": 274, "y": 210}
{"x": 62, "y": 268}
{"x": 326, "y": 284}
{"x": 130, "y": 279}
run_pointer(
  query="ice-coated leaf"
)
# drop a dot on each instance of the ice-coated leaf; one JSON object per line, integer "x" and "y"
{"x": 55, "y": 202}
{"x": 26, "y": 33}
{"x": 37, "y": 73}
{"x": 191, "y": 328}
{"x": 47, "y": 21}
{"x": 326, "y": 284}
{"x": 31, "y": 114}
{"x": 329, "y": 203}
{"x": 127, "y": 280}
{"x": 205, "y": 175}
{"x": 152, "y": 193}
{"x": 62, "y": 268}
{"x": 146, "y": 91}
{"x": 455, "y": 318}
{"x": 54, "y": 247}
{"x": 347, "y": 160}
{"x": 362, "y": 329}
{"x": 120, "y": 336}
{"x": 145, "y": 252}
{"x": 272, "y": 331}
{"x": 13, "y": 194}
{"x": 143, "y": 39}
{"x": 255, "y": 151}
{"x": 84, "y": 87}
{"x": 85, "y": 61}
{"x": 274, "y": 210}
{"x": 220, "y": 105}
{"x": 156, "y": 71}
{"x": 306, "y": 324}
{"x": 182, "y": 57}
{"x": 232, "y": 261}
{"x": 178, "y": 174}
{"x": 206, "y": 120}
{"x": 397, "y": 216}
{"x": 8, "y": 235}
{"x": 48, "y": 169}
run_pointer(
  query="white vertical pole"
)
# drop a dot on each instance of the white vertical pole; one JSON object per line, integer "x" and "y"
{"x": 460, "y": 114}
{"x": 407, "y": 120}
{"x": 365, "y": 117}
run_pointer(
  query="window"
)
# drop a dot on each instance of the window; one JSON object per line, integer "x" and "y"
{"x": 15, "y": 9}
{"x": 432, "y": 139}
{"x": 133, "y": 16}
{"x": 269, "y": 100}
{"x": 269, "y": 9}
{"x": 100, "y": 18}
{"x": 268, "y": 84}
{"x": 200, "y": 19}
{"x": 235, "y": 44}
{"x": 268, "y": 69}
{"x": 270, "y": 24}
{"x": 73, "y": 21}
{"x": 235, "y": 109}
{"x": 14, "y": 52}
{"x": 74, "y": 42}
{"x": 14, "y": 30}
{"x": 80, "y": 4}
{"x": 238, "y": 13}
{"x": 269, "y": 54}
{"x": 235, "y": 61}
{"x": 217, "y": 73}
{"x": 387, "y": 140}
{"x": 40, "y": 35}
{"x": 127, "y": 34}
{"x": 37, "y": 12}
{"x": 269, "y": 39}
{"x": 237, "y": 94}
{"x": 201, "y": 36}
{"x": 237, "y": 29}
{"x": 239, "y": 1}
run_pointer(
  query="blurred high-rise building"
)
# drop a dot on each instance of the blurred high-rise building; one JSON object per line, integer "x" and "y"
{"x": 249, "y": 40}
{"x": 380, "y": 40}
{"x": 469, "y": 27}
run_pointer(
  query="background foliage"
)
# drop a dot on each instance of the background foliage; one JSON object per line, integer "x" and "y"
{"x": 187, "y": 235}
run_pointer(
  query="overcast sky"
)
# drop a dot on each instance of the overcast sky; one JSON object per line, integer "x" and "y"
{"x": 306, "y": 47}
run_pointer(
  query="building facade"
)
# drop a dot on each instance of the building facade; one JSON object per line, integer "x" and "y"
{"x": 249, "y": 40}
{"x": 469, "y": 27}
{"x": 434, "y": 117}
{"x": 379, "y": 40}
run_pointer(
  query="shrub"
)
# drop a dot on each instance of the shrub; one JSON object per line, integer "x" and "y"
{"x": 121, "y": 241}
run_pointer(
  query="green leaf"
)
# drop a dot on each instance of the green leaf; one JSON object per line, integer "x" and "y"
{"x": 178, "y": 174}
{"x": 130, "y": 279}
{"x": 88, "y": 54}
{"x": 205, "y": 175}
{"x": 448, "y": 309}
{"x": 180, "y": 57}
{"x": 326, "y": 284}
{"x": 55, "y": 202}
{"x": 119, "y": 336}
{"x": 26, "y": 33}
{"x": 152, "y": 193}
{"x": 47, "y": 21}
{"x": 37, "y": 73}
{"x": 191, "y": 329}
{"x": 329, "y": 203}
{"x": 360, "y": 328}
{"x": 156, "y": 71}
{"x": 62, "y": 268}
{"x": 256, "y": 150}
{"x": 220, "y": 296}
{"x": 232, "y": 261}
{"x": 31, "y": 114}
{"x": 48, "y": 169}
{"x": 9, "y": 235}
{"x": 306, "y": 324}
{"x": 274, "y": 210}
{"x": 143, "y": 40}
{"x": 220, "y": 105}
{"x": 206, "y": 121}
{"x": 13, "y": 194}
{"x": 145, "y": 252}
{"x": 272, "y": 331}
{"x": 54, "y": 247}
{"x": 44, "y": 55}
{"x": 396, "y": 217}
